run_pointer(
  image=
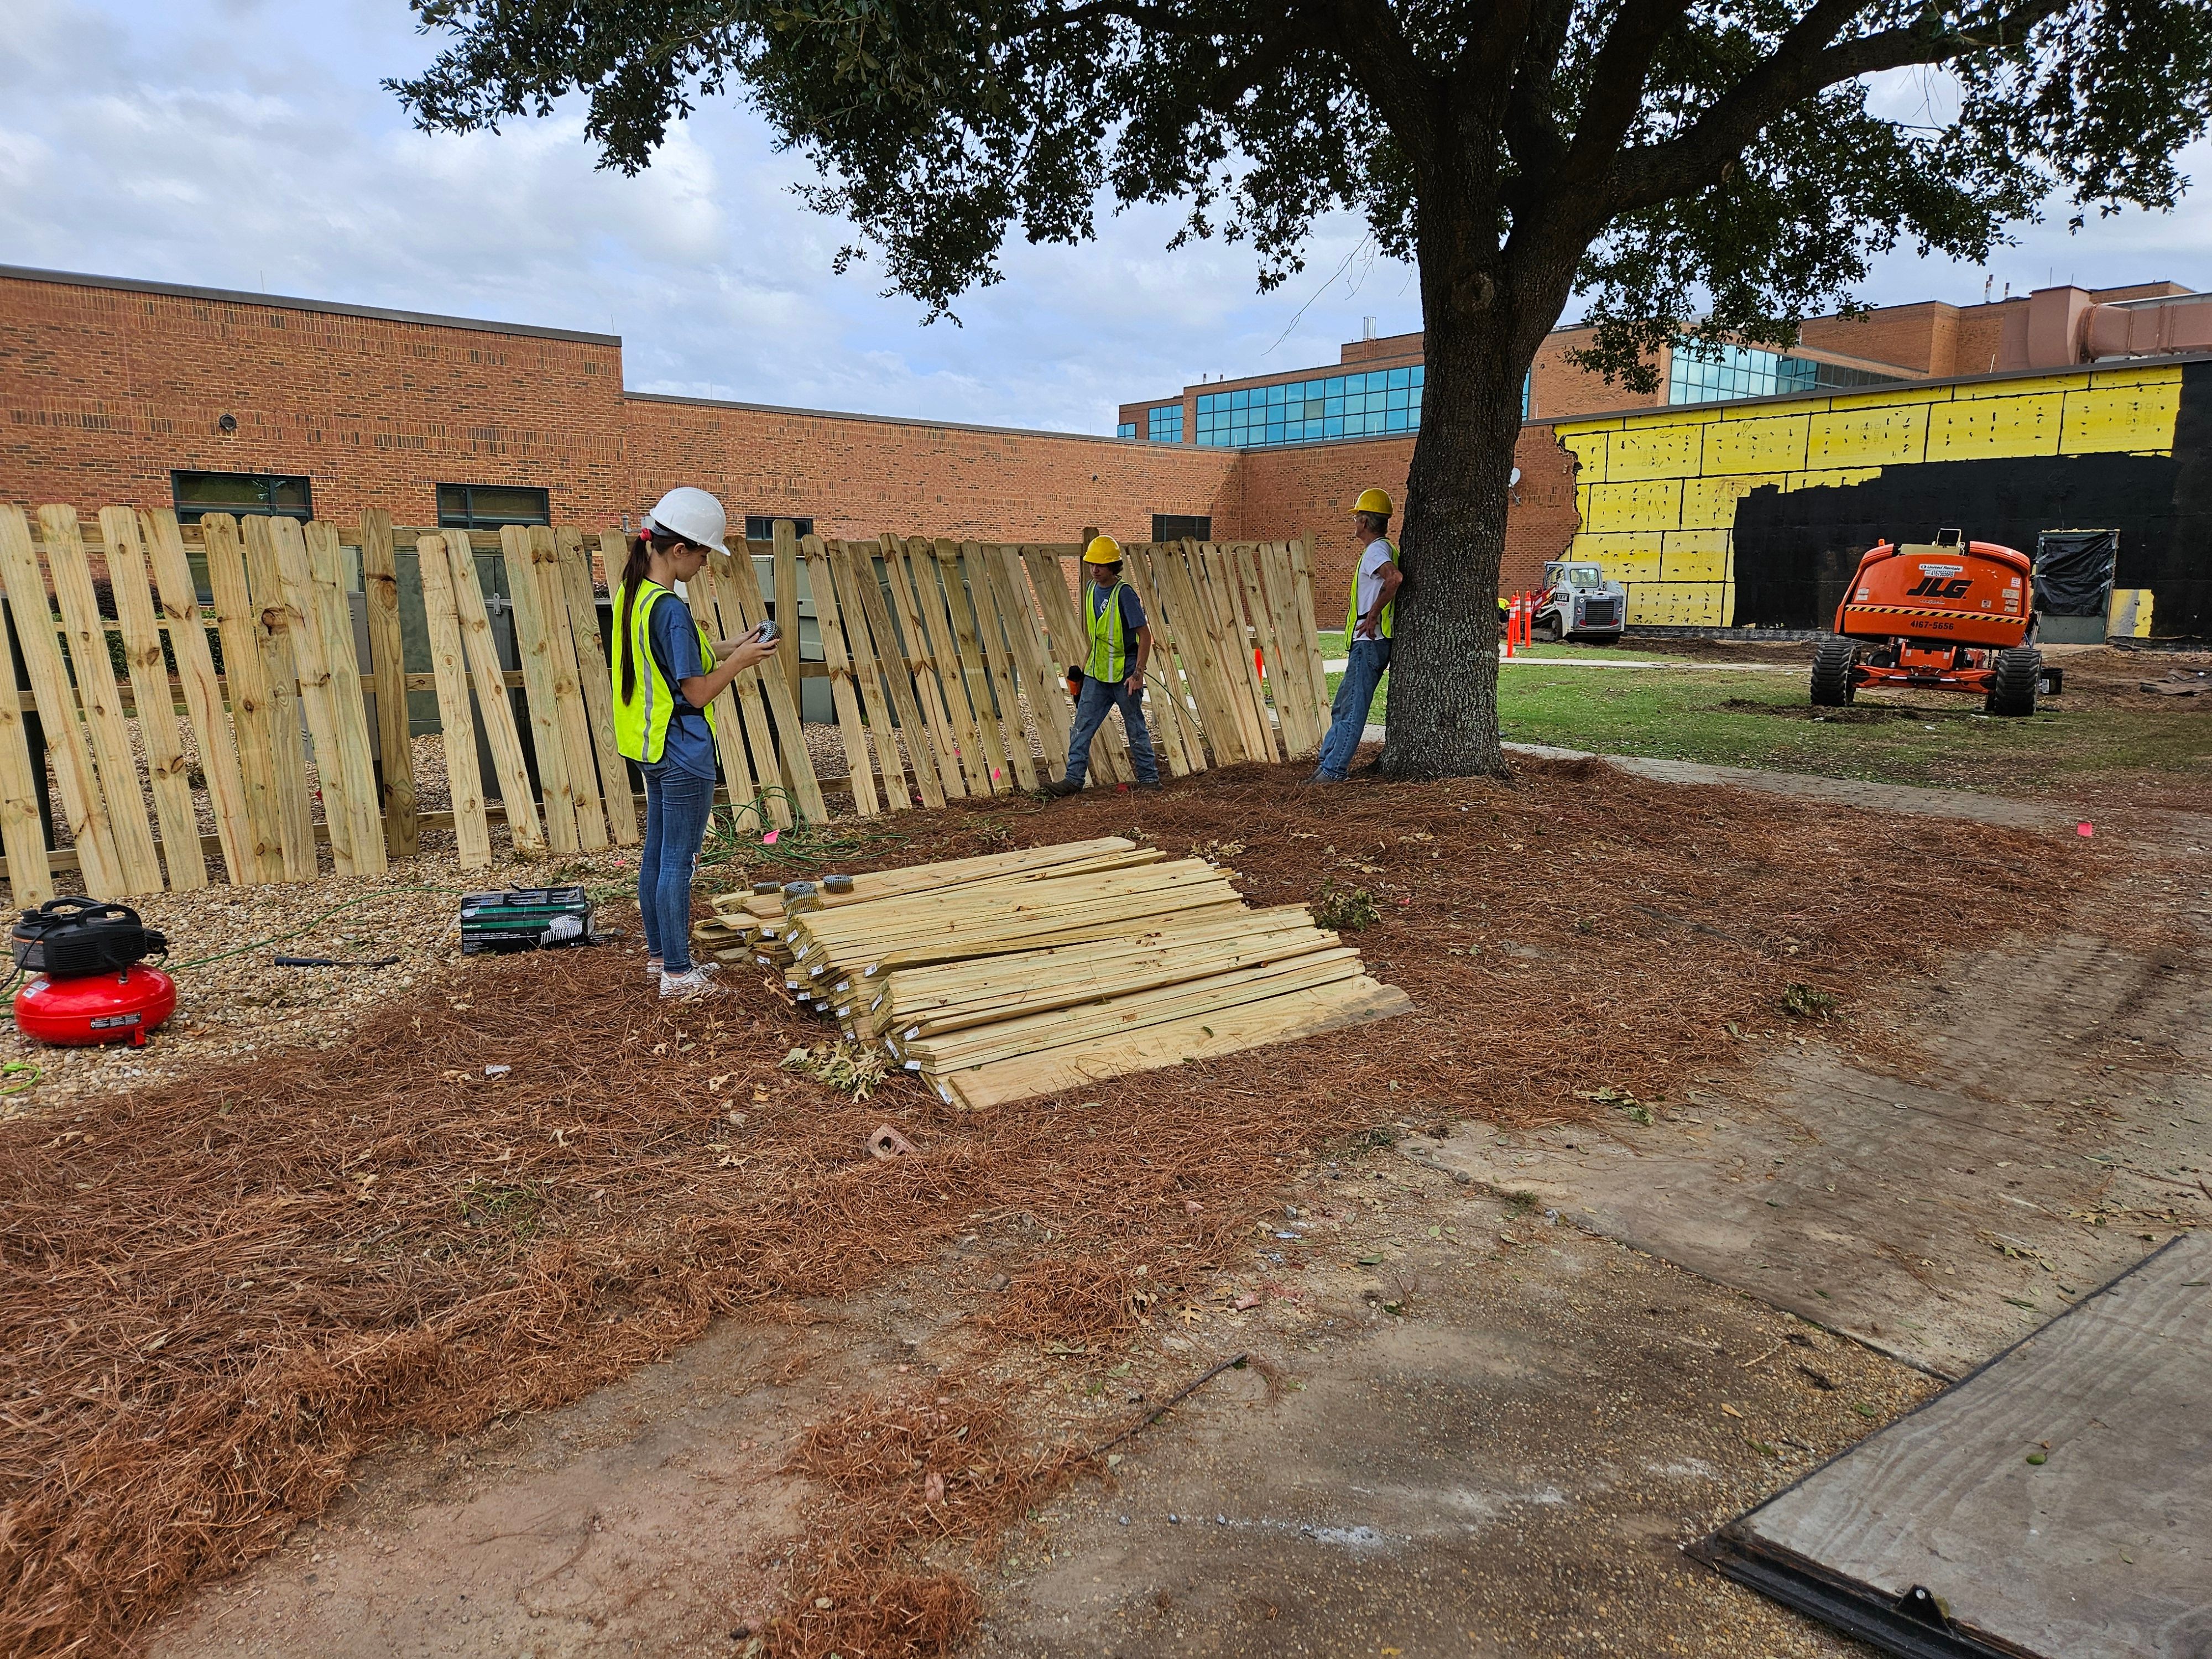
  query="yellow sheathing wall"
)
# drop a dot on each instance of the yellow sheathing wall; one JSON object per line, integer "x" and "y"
{"x": 1657, "y": 492}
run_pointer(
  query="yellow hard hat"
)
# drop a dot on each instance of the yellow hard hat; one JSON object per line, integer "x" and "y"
{"x": 1103, "y": 550}
{"x": 1372, "y": 500}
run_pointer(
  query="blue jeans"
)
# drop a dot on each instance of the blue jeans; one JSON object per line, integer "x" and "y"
{"x": 676, "y": 805}
{"x": 1098, "y": 697}
{"x": 1347, "y": 715}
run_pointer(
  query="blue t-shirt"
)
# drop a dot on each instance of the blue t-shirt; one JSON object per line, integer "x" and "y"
{"x": 1132, "y": 612}
{"x": 689, "y": 747}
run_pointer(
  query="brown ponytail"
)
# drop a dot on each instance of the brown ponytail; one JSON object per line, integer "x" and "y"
{"x": 634, "y": 569}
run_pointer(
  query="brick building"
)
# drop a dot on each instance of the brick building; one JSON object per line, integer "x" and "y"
{"x": 115, "y": 390}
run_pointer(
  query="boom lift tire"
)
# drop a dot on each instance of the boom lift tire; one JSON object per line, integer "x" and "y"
{"x": 1832, "y": 673}
{"x": 2018, "y": 673}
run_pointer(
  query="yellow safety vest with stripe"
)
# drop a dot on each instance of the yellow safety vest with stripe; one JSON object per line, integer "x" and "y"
{"x": 1110, "y": 638}
{"x": 1351, "y": 604}
{"x": 641, "y": 718}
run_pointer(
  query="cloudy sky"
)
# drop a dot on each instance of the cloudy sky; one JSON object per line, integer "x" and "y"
{"x": 246, "y": 144}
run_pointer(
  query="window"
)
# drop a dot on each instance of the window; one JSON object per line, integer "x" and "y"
{"x": 1707, "y": 373}
{"x": 1383, "y": 400}
{"x": 1126, "y": 429}
{"x": 1173, "y": 526}
{"x": 487, "y": 507}
{"x": 198, "y": 493}
{"x": 761, "y": 526}
{"x": 1163, "y": 424}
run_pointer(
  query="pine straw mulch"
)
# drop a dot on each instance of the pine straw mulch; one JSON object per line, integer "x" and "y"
{"x": 214, "y": 1293}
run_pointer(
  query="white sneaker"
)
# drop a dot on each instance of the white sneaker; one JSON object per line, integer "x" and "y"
{"x": 685, "y": 987}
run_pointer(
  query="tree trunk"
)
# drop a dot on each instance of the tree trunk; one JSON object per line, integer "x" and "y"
{"x": 1442, "y": 714}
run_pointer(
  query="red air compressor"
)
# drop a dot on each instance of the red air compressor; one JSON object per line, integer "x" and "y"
{"x": 90, "y": 982}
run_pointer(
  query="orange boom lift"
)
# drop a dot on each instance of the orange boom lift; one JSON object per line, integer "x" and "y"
{"x": 1949, "y": 615}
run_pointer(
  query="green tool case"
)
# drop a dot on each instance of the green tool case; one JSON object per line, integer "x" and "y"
{"x": 525, "y": 919}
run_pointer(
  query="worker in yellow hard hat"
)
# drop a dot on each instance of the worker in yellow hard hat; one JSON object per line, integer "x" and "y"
{"x": 1375, "y": 580}
{"x": 1112, "y": 671}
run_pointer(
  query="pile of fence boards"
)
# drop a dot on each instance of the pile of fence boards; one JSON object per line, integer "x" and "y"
{"x": 186, "y": 741}
{"x": 1024, "y": 974}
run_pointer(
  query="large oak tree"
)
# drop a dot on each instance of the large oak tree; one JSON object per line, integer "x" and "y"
{"x": 1669, "y": 160}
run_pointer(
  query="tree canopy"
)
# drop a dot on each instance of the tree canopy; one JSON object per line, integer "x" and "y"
{"x": 1700, "y": 163}
{"x": 1713, "y": 169}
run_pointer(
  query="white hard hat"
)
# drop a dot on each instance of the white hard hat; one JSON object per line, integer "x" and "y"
{"x": 693, "y": 514}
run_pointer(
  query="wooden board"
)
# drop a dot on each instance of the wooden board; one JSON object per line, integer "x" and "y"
{"x": 1276, "y": 1019}
{"x": 379, "y": 581}
{"x": 778, "y": 681}
{"x": 844, "y": 695}
{"x": 166, "y": 774}
{"x": 533, "y": 646}
{"x": 729, "y": 616}
{"x": 272, "y": 639}
{"x": 1293, "y": 664}
{"x": 998, "y": 666}
{"x": 30, "y": 875}
{"x": 593, "y": 678}
{"x": 703, "y": 595}
{"x": 1309, "y": 635}
{"x": 116, "y": 766}
{"x": 1043, "y": 683}
{"x": 568, "y": 709}
{"x": 890, "y": 661}
{"x": 449, "y": 667}
{"x": 785, "y": 541}
{"x": 245, "y": 676}
{"x": 349, "y": 706}
{"x": 523, "y": 827}
{"x": 1175, "y": 734}
{"x": 83, "y": 804}
{"x": 974, "y": 679}
{"x": 303, "y": 627}
{"x": 1267, "y": 663}
{"x": 849, "y": 569}
{"x": 956, "y": 751}
{"x": 1202, "y": 649}
{"x": 1220, "y": 590}
{"x": 2098, "y": 1552}
{"x": 202, "y": 687}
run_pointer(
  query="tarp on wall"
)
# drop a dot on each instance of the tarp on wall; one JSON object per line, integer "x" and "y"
{"x": 2074, "y": 571}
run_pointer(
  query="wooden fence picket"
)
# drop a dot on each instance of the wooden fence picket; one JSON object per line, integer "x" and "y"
{"x": 166, "y": 776}
{"x": 533, "y": 645}
{"x": 615, "y": 797}
{"x": 844, "y": 695}
{"x": 379, "y": 581}
{"x": 280, "y": 666}
{"x": 116, "y": 767}
{"x": 211, "y": 728}
{"x": 524, "y": 829}
{"x": 252, "y": 708}
{"x": 854, "y": 573}
{"x": 311, "y": 660}
{"x": 776, "y": 679}
{"x": 569, "y": 711}
{"x": 449, "y": 668}
{"x": 333, "y": 618}
{"x": 912, "y": 568}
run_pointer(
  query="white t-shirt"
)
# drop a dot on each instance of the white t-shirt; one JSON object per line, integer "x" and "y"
{"x": 1379, "y": 553}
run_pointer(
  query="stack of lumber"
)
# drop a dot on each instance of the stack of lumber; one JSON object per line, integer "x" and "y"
{"x": 1022, "y": 973}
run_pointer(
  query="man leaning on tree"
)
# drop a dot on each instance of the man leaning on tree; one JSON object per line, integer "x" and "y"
{"x": 1375, "y": 582}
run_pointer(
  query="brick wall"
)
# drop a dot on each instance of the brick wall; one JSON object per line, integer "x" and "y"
{"x": 856, "y": 477}
{"x": 103, "y": 389}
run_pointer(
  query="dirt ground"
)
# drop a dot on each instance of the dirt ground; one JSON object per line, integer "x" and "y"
{"x": 629, "y": 1348}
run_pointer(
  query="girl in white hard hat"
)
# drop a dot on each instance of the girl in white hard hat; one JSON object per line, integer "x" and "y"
{"x": 663, "y": 695}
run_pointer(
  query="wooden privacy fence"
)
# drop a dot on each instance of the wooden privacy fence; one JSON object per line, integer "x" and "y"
{"x": 944, "y": 666}
{"x": 943, "y": 659}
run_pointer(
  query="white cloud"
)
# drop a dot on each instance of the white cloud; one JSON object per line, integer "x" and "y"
{"x": 234, "y": 143}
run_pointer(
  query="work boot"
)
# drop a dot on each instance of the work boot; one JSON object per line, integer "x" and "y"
{"x": 1148, "y": 783}
{"x": 1060, "y": 789}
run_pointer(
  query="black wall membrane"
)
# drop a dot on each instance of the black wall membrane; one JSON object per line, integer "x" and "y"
{"x": 1796, "y": 550}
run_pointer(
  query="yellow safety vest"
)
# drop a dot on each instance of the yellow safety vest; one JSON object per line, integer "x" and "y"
{"x": 1351, "y": 604}
{"x": 641, "y": 718}
{"x": 1109, "y": 639}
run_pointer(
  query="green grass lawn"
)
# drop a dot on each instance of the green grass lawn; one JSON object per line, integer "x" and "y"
{"x": 1765, "y": 720}
{"x": 1332, "y": 650}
